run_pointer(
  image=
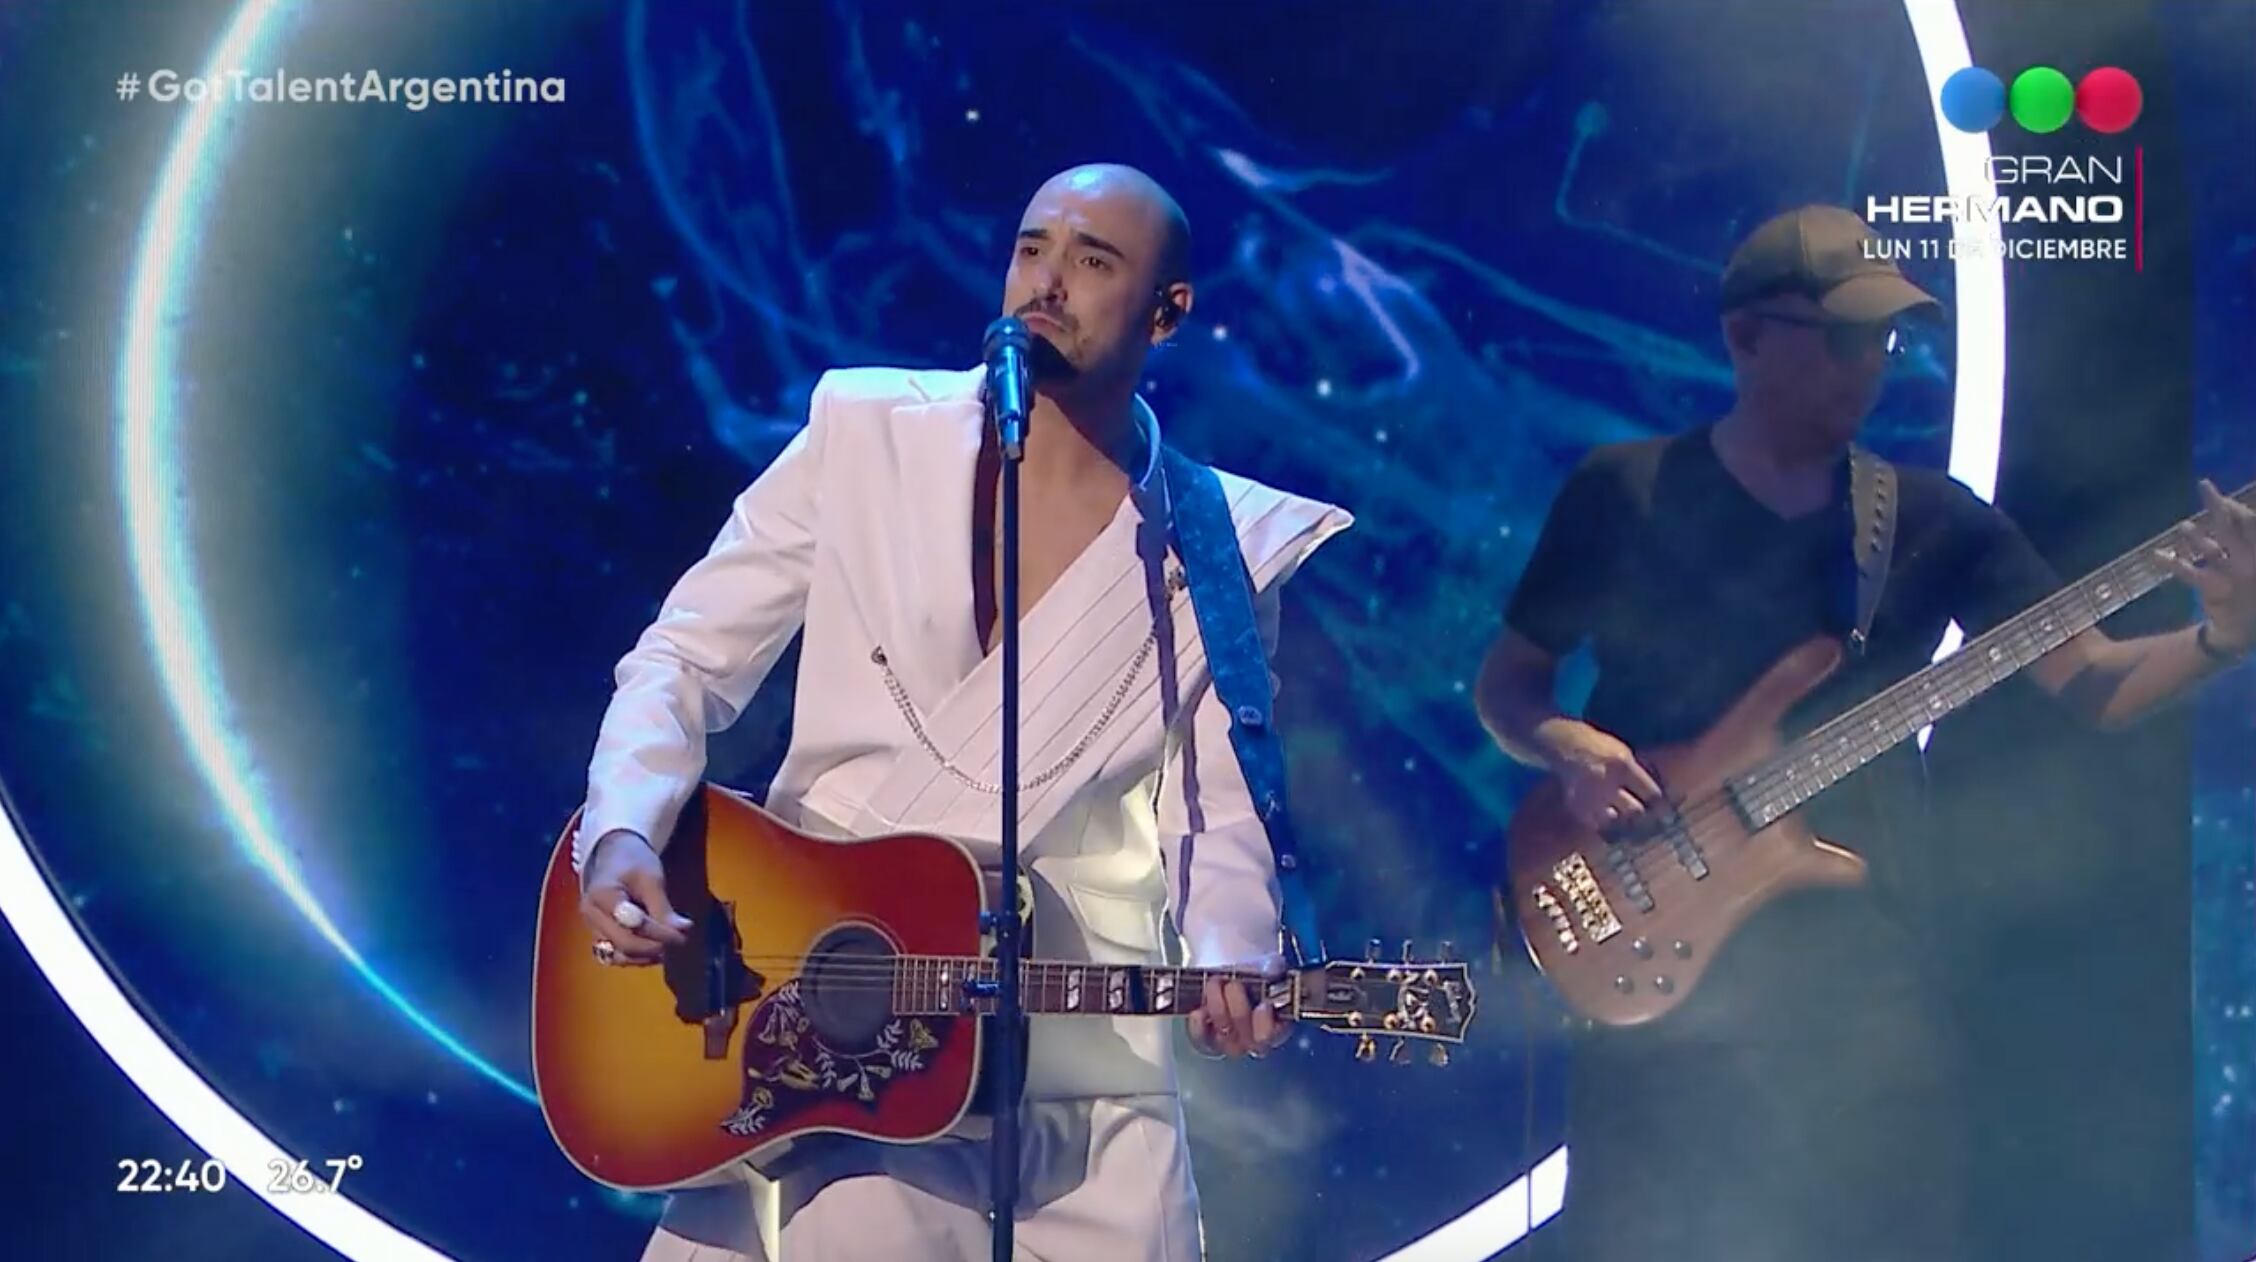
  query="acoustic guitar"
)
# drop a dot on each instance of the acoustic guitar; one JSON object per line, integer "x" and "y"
{"x": 840, "y": 987}
{"x": 1625, "y": 922}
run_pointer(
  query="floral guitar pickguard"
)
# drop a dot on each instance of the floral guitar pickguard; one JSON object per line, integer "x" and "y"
{"x": 788, "y": 1066}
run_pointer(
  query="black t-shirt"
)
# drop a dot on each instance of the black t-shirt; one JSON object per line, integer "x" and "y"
{"x": 1789, "y": 1106}
{"x": 1688, "y": 588}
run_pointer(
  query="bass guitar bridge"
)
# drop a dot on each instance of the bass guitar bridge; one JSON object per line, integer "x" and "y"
{"x": 1575, "y": 906}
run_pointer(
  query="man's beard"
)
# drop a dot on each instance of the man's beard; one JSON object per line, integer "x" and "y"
{"x": 1048, "y": 364}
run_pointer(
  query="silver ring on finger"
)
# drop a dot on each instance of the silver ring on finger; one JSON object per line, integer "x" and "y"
{"x": 605, "y": 952}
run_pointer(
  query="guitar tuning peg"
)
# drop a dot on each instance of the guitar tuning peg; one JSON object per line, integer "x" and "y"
{"x": 1439, "y": 1055}
{"x": 1399, "y": 1054}
{"x": 1365, "y": 1048}
{"x": 1372, "y": 949}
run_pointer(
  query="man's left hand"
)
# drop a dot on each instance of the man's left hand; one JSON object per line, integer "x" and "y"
{"x": 2217, "y": 558}
{"x": 1230, "y": 1021}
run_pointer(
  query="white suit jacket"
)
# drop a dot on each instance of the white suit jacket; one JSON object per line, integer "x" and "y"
{"x": 861, "y": 532}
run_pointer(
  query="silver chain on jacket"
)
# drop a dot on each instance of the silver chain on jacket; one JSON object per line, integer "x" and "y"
{"x": 1176, "y": 582}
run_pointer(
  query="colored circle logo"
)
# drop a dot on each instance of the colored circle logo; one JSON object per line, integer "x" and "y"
{"x": 2108, "y": 100}
{"x": 1973, "y": 99}
{"x": 2041, "y": 99}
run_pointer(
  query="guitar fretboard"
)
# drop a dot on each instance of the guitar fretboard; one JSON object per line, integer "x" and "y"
{"x": 1829, "y": 754}
{"x": 939, "y": 985}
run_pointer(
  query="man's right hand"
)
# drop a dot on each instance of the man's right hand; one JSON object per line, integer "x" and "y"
{"x": 624, "y": 874}
{"x": 1605, "y": 785}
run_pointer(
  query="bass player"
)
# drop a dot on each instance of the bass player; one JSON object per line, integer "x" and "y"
{"x": 1797, "y": 1104}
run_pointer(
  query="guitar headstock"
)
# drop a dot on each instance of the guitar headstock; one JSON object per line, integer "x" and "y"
{"x": 1408, "y": 1000}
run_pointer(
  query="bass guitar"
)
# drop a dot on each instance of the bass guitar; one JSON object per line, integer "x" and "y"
{"x": 1624, "y": 922}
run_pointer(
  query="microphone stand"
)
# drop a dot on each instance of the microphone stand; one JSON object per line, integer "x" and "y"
{"x": 1010, "y": 1022}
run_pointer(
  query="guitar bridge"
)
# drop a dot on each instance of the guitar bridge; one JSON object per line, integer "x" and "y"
{"x": 707, "y": 974}
{"x": 710, "y": 979}
{"x": 718, "y": 1028}
{"x": 1592, "y": 912}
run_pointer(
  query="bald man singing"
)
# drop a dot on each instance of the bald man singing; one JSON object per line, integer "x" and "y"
{"x": 877, "y": 532}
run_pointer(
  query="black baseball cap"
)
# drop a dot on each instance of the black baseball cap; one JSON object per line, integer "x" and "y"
{"x": 1822, "y": 252}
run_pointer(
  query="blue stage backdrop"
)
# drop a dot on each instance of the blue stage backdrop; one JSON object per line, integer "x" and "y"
{"x": 303, "y": 666}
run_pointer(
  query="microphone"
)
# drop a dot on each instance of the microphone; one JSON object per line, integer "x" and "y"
{"x": 1007, "y": 348}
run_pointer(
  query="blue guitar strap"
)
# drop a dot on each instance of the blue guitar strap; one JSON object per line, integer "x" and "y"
{"x": 1222, "y": 598}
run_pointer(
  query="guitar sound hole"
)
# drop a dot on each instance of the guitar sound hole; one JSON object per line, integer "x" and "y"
{"x": 847, "y": 988}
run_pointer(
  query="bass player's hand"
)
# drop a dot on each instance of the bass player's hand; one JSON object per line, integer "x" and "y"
{"x": 624, "y": 900}
{"x": 1605, "y": 785}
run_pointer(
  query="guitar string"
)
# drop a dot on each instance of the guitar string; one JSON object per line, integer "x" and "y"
{"x": 1685, "y": 819}
{"x": 874, "y": 967}
{"x": 885, "y": 962}
{"x": 869, "y": 971}
{"x": 894, "y": 986}
{"x": 871, "y": 976}
{"x": 2136, "y": 569}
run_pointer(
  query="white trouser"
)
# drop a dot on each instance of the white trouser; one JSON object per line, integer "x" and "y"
{"x": 1104, "y": 1180}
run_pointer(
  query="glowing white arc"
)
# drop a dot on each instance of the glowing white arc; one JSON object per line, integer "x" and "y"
{"x": 1978, "y": 411}
{"x": 201, "y": 1113}
{"x": 152, "y": 485}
